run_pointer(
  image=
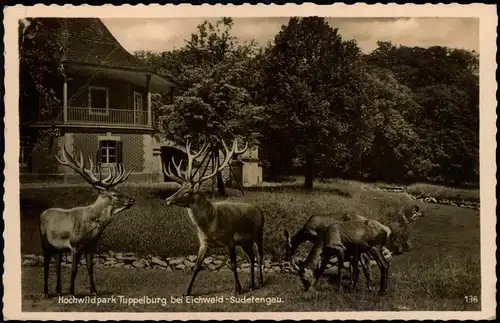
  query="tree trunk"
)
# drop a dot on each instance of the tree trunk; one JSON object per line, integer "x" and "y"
{"x": 220, "y": 184}
{"x": 309, "y": 171}
{"x": 273, "y": 166}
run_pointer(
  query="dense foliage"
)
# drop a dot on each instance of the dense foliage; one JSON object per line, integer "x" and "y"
{"x": 214, "y": 101}
{"x": 323, "y": 108}
{"x": 215, "y": 72}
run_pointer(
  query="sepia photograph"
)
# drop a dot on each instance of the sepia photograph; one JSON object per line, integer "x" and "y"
{"x": 295, "y": 161}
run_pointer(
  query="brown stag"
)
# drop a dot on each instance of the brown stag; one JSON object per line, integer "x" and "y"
{"x": 311, "y": 231}
{"x": 341, "y": 238}
{"x": 219, "y": 224}
{"x": 78, "y": 230}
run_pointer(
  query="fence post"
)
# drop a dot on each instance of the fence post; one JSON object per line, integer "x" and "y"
{"x": 65, "y": 99}
{"x": 148, "y": 81}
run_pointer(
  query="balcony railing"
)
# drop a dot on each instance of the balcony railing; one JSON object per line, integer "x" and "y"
{"x": 86, "y": 116}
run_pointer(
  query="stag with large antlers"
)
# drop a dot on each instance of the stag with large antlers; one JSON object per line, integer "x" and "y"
{"x": 219, "y": 224}
{"x": 78, "y": 230}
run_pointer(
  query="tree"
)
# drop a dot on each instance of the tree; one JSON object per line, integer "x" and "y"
{"x": 216, "y": 74}
{"x": 40, "y": 77}
{"x": 308, "y": 85}
{"x": 445, "y": 85}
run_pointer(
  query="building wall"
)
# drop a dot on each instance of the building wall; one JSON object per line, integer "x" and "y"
{"x": 133, "y": 150}
{"x": 252, "y": 173}
{"x": 137, "y": 153}
{"x": 142, "y": 152}
{"x": 120, "y": 93}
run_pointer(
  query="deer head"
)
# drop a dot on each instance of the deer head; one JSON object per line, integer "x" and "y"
{"x": 306, "y": 275}
{"x": 190, "y": 184}
{"x": 107, "y": 192}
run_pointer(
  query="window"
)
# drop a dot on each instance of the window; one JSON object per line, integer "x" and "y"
{"x": 137, "y": 101}
{"x": 138, "y": 112}
{"x": 98, "y": 100}
{"x": 110, "y": 151}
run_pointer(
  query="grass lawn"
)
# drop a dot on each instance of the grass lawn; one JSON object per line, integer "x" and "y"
{"x": 442, "y": 268}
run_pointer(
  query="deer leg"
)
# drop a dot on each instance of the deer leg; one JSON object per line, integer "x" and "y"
{"x": 232, "y": 257}
{"x": 75, "y": 259}
{"x": 260, "y": 249}
{"x": 58, "y": 271}
{"x": 365, "y": 266}
{"x": 340, "y": 266}
{"x": 47, "y": 255}
{"x": 382, "y": 266}
{"x": 90, "y": 270}
{"x": 355, "y": 269}
{"x": 202, "y": 251}
{"x": 251, "y": 258}
{"x": 325, "y": 259}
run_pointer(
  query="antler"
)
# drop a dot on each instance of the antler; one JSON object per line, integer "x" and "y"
{"x": 116, "y": 174}
{"x": 227, "y": 157}
{"x": 192, "y": 157}
{"x": 180, "y": 179}
{"x": 188, "y": 175}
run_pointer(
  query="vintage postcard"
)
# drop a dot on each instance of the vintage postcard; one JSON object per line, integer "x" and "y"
{"x": 250, "y": 162}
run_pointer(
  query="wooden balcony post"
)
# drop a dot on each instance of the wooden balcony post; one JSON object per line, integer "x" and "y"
{"x": 65, "y": 99}
{"x": 148, "y": 81}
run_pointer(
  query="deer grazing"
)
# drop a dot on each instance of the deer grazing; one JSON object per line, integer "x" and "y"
{"x": 312, "y": 230}
{"x": 219, "y": 224}
{"x": 346, "y": 238}
{"x": 78, "y": 230}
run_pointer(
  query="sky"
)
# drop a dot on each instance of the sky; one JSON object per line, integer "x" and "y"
{"x": 160, "y": 35}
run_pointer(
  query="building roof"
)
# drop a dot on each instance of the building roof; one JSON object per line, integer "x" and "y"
{"x": 88, "y": 41}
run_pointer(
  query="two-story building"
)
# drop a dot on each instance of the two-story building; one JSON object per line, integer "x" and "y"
{"x": 106, "y": 107}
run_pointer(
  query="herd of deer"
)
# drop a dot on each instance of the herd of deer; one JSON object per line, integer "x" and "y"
{"x": 219, "y": 224}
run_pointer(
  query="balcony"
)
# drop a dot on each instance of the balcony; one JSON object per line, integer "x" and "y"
{"x": 84, "y": 116}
